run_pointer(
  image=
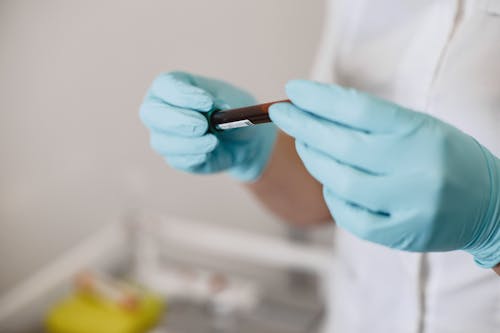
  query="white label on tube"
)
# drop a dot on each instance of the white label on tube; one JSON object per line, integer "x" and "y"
{"x": 234, "y": 124}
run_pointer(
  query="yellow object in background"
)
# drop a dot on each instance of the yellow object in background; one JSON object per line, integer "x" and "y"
{"x": 90, "y": 312}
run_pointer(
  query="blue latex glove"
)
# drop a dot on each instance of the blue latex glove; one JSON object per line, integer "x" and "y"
{"x": 173, "y": 111}
{"x": 393, "y": 176}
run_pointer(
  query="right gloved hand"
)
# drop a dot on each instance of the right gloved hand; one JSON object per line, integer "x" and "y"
{"x": 393, "y": 176}
{"x": 172, "y": 111}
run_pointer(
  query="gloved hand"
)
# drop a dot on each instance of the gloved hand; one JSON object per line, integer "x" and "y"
{"x": 393, "y": 176}
{"x": 173, "y": 111}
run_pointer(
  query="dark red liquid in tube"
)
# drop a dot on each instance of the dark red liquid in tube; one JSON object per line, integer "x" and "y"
{"x": 221, "y": 120}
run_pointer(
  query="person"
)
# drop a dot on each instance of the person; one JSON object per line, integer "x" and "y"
{"x": 396, "y": 141}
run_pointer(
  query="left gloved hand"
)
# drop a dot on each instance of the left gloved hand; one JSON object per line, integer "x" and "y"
{"x": 174, "y": 111}
{"x": 393, "y": 176}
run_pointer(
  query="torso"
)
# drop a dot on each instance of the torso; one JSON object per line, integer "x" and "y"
{"x": 440, "y": 57}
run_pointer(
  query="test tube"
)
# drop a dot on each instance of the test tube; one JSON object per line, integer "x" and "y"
{"x": 221, "y": 120}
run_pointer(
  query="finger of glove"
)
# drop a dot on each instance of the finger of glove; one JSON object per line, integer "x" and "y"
{"x": 186, "y": 162}
{"x": 357, "y": 220}
{"x": 179, "y": 89}
{"x": 224, "y": 95}
{"x": 167, "y": 144}
{"x": 352, "y": 185}
{"x": 170, "y": 119}
{"x": 350, "y": 107}
{"x": 365, "y": 151}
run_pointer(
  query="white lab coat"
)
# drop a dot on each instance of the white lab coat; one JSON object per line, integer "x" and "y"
{"x": 435, "y": 56}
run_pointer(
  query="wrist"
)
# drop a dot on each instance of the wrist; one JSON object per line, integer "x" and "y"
{"x": 497, "y": 269}
{"x": 486, "y": 249}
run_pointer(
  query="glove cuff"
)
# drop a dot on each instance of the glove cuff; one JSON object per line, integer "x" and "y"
{"x": 252, "y": 168}
{"x": 487, "y": 254}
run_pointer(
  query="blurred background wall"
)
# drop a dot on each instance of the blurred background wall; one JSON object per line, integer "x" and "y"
{"x": 73, "y": 154}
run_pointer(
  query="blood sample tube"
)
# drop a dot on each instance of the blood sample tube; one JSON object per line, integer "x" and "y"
{"x": 221, "y": 120}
